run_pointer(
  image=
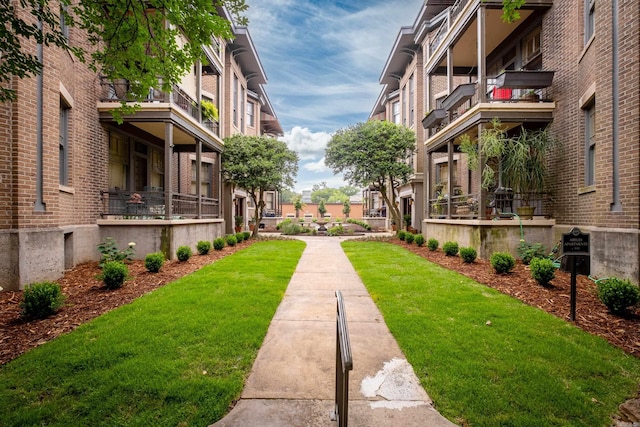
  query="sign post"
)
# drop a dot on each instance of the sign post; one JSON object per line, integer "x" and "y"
{"x": 575, "y": 243}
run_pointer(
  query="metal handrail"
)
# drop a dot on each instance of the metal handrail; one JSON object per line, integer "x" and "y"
{"x": 344, "y": 364}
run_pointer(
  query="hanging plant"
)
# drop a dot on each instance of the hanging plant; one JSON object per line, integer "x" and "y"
{"x": 209, "y": 110}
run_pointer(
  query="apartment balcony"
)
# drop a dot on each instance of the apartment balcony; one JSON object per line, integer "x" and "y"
{"x": 150, "y": 204}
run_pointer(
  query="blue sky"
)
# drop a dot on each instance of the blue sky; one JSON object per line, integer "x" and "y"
{"x": 323, "y": 60}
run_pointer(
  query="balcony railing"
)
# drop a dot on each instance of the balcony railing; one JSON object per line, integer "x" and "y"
{"x": 126, "y": 204}
{"x": 502, "y": 205}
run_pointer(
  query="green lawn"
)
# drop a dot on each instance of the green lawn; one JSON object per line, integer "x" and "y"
{"x": 527, "y": 368}
{"x": 176, "y": 357}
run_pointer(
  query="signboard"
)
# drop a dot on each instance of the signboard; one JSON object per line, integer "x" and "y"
{"x": 575, "y": 242}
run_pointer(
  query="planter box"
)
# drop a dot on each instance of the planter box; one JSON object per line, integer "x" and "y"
{"x": 434, "y": 118}
{"x": 525, "y": 79}
{"x": 459, "y": 95}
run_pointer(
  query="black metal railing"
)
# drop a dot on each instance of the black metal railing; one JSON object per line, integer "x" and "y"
{"x": 126, "y": 204}
{"x": 344, "y": 364}
{"x": 499, "y": 204}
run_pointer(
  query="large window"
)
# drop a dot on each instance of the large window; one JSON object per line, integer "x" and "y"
{"x": 64, "y": 143}
{"x": 206, "y": 177}
{"x": 250, "y": 114}
{"x": 589, "y": 19}
{"x": 396, "y": 112}
{"x": 404, "y": 105}
{"x": 590, "y": 144}
{"x": 531, "y": 51}
{"x": 412, "y": 102}
{"x": 235, "y": 100}
{"x": 118, "y": 161}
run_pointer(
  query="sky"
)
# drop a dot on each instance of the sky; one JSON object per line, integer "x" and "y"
{"x": 323, "y": 61}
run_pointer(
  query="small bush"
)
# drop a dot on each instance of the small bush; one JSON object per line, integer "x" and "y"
{"x": 338, "y": 230}
{"x": 528, "y": 251}
{"x": 218, "y": 243}
{"x": 40, "y": 300}
{"x": 240, "y": 237}
{"x": 360, "y": 223}
{"x": 154, "y": 261}
{"x": 290, "y": 228}
{"x": 110, "y": 252}
{"x": 502, "y": 262}
{"x": 419, "y": 240}
{"x": 543, "y": 270}
{"x": 183, "y": 253}
{"x": 231, "y": 240}
{"x": 402, "y": 234}
{"x": 284, "y": 223}
{"x": 409, "y": 238}
{"x": 204, "y": 246}
{"x": 433, "y": 244}
{"x": 468, "y": 255}
{"x": 247, "y": 235}
{"x": 450, "y": 248}
{"x": 618, "y": 294}
{"x": 114, "y": 273}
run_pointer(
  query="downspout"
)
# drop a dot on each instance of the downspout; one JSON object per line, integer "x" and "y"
{"x": 615, "y": 114}
{"x": 39, "y": 203}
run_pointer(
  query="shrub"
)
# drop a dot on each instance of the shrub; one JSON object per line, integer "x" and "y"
{"x": 409, "y": 238}
{"x": 154, "y": 261}
{"x": 284, "y": 223}
{"x": 204, "y": 246}
{"x": 40, "y": 300}
{"x": 110, "y": 252}
{"x": 419, "y": 240}
{"x": 290, "y": 228}
{"x": 231, "y": 240}
{"x": 247, "y": 235}
{"x": 402, "y": 234}
{"x": 433, "y": 244}
{"x": 360, "y": 223}
{"x": 338, "y": 230}
{"x": 618, "y": 294}
{"x": 543, "y": 270}
{"x": 468, "y": 255}
{"x": 218, "y": 243}
{"x": 240, "y": 237}
{"x": 528, "y": 251}
{"x": 450, "y": 248}
{"x": 502, "y": 262}
{"x": 183, "y": 253}
{"x": 114, "y": 273}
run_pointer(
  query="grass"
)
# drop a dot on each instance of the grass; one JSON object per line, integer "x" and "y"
{"x": 527, "y": 368}
{"x": 176, "y": 357}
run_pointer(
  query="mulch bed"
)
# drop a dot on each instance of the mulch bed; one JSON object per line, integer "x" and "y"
{"x": 86, "y": 298}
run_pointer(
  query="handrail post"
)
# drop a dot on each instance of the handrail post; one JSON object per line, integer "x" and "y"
{"x": 344, "y": 364}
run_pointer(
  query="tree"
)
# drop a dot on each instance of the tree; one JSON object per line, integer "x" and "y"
{"x": 258, "y": 164}
{"x": 134, "y": 40}
{"x": 322, "y": 209}
{"x": 373, "y": 153}
{"x": 298, "y": 205}
{"x": 346, "y": 208}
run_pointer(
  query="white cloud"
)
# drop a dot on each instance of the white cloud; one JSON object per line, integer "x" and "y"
{"x": 317, "y": 167}
{"x": 309, "y": 145}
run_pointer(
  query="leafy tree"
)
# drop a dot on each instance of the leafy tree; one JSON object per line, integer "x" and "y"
{"x": 298, "y": 205}
{"x": 372, "y": 153}
{"x": 258, "y": 164}
{"x": 349, "y": 190}
{"x": 510, "y": 10}
{"x": 328, "y": 195}
{"x": 346, "y": 208}
{"x": 322, "y": 209}
{"x": 133, "y": 40}
{"x": 287, "y": 195}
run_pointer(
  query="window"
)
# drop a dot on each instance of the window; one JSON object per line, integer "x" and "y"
{"x": 531, "y": 51}
{"x": 590, "y": 144}
{"x": 396, "y": 112}
{"x": 242, "y": 101}
{"x": 64, "y": 143}
{"x": 589, "y": 19}
{"x": 250, "y": 114}
{"x": 404, "y": 105}
{"x": 64, "y": 27}
{"x": 118, "y": 161}
{"x": 206, "y": 178}
{"x": 412, "y": 89}
{"x": 235, "y": 101}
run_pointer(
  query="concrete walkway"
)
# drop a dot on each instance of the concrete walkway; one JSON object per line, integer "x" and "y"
{"x": 293, "y": 378}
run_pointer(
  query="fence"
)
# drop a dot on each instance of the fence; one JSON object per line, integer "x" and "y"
{"x": 344, "y": 364}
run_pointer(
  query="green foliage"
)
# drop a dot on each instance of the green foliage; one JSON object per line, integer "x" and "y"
{"x": 543, "y": 270}
{"x": 468, "y": 255}
{"x": 110, "y": 252}
{"x": 338, "y": 230}
{"x": 618, "y": 294}
{"x": 184, "y": 253}
{"x": 528, "y": 251}
{"x": 510, "y": 11}
{"x": 402, "y": 234}
{"x": 258, "y": 164}
{"x": 358, "y": 222}
{"x": 283, "y": 223}
{"x": 289, "y": 228}
{"x": 219, "y": 243}
{"x": 320, "y": 192}
{"x": 433, "y": 244}
{"x": 407, "y": 219}
{"x": 40, "y": 300}
{"x": 247, "y": 235}
{"x": 154, "y": 261}
{"x": 240, "y": 237}
{"x": 322, "y": 209}
{"x": 209, "y": 110}
{"x": 409, "y": 238}
{"x": 231, "y": 240}
{"x": 203, "y": 246}
{"x": 113, "y": 275}
{"x": 419, "y": 240}
{"x": 502, "y": 262}
{"x": 450, "y": 248}
{"x": 238, "y": 220}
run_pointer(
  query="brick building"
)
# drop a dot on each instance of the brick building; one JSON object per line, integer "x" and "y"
{"x": 70, "y": 176}
{"x": 581, "y": 59}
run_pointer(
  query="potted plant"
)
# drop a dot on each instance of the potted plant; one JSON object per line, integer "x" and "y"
{"x": 252, "y": 224}
{"x": 209, "y": 110}
{"x": 239, "y": 221}
{"x": 407, "y": 220}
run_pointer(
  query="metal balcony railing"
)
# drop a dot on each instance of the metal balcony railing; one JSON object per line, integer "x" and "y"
{"x": 126, "y": 204}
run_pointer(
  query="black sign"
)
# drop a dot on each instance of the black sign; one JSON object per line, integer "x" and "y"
{"x": 575, "y": 242}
